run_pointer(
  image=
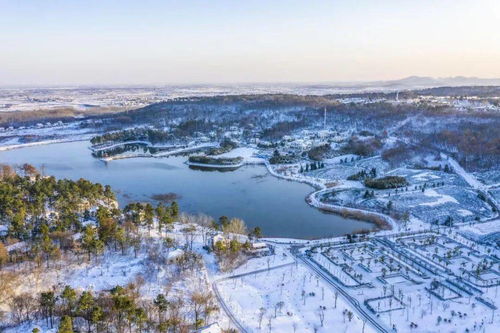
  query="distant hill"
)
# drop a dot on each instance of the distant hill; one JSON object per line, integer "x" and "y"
{"x": 429, "y": 82}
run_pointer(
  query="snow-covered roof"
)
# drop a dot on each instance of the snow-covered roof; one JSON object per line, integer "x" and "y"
{"x": 218, "y": 237}
{"x": 259, "y": 245}
{"x": 175, "y": 254}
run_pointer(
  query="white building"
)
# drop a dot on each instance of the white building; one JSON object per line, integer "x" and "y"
{"x": 259, "y": 249}
{"x": 217, "y": 238}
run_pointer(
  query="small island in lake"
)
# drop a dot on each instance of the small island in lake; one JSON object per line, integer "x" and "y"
{"x": 215, "y": 162}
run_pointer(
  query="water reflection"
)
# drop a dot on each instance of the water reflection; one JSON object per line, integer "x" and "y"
{"x": 276, "y": 205}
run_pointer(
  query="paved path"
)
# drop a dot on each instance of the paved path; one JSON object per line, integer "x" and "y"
{"x": 224, "y": 306}
{"x": 354, "y": 302}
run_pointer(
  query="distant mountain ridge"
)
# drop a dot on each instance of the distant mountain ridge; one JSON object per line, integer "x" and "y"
{"x": 416, "y": 81}
{"x": 408, "y": 83}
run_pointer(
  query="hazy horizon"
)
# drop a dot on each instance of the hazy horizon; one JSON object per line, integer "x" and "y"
{"x": 55, "y": 43}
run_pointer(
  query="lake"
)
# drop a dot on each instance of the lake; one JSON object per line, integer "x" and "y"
{"x": 250, "y": 192}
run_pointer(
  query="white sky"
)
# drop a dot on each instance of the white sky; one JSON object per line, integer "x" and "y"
{"x": 55, "y": 42}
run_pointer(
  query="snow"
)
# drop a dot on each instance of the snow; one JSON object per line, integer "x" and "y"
{"x": 114, "y": 268}
{"x": 483, "y": 228}
{"x": 464, "y": 212}
{"x": 425, "y": 176}
{"x": 336, "y": 160}
{"x": 469, "y": 178}
{"x": 15, "y": 246}
{"x": 268, "y": 281}
{"x": 248, "y": 294}
{"x": 440, "y": 198}
{"x": 29, "y": 326}
{"x": 175, "y": 254}
{"x": 4, "y": 147}
{"x": 213, "y": 328}
{"x": 248, "y": 154}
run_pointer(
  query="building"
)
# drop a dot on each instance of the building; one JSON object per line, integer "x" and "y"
{"x": 217, "y": 238}
{"x": 259, "y": 249}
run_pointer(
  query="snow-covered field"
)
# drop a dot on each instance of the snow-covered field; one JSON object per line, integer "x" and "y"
{"x": 397, "y": 289}
{"x": 288, "y": 299}
{"x": 248, "y": 154}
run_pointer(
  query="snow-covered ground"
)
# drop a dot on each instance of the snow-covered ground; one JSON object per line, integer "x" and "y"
{"x": 396, "y": 289}
{"x": 148, "y": 269}
{"x": 248, "y": 154}
{"x": 289, "y": 299}
{"x": 482, "y": 229}
{"x": 439, "y": 198}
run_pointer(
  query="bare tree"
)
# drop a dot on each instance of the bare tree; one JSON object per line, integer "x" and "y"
{"x": 262, "y": 311}
{"x": 321, "y": 314}
{"x": 8, "y": 282}
{"x": 278, "y": 307}
{"x": 23, "y": 307}
{"x": 236, "y": 226}
{"x": 198, "y": 300}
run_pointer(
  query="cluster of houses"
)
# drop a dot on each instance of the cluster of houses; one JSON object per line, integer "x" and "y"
{"x": 38, "y": 125}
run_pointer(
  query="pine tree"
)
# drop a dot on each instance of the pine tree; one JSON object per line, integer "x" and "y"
{"x": 66, "y": 325}
{"x": 108, "y": 193}
{"x": 162, "y": 304}
{"x": 121, "y": 238}
{"x": 160, "y": 212}
{"x": 107, "y": 229}
{"x": 96, "y": 315}
{"x": 148, "y": 215}
{"x": 46, "y": 244}
{"x": 90, "y": 241}
{"x": 85, "y": 306}
{"x": 69, "y": 297}
{"x": 48, "y": 303}
{"x": 174, "y": 209}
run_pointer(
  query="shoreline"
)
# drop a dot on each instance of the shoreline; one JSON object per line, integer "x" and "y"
{"x": 381, "y": 221}
{"x": 181, "y": 150}
{"x": 140, "y": 142}
{"x": 39, "y": 143}
{"x": 215, "y": 166}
